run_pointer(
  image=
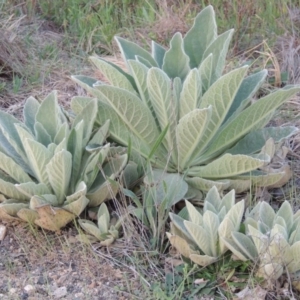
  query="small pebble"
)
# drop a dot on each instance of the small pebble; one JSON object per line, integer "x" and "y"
{"x": 60, "y": 292}
{"x": 2, "y": 232}
{"x": 29, "y": 289}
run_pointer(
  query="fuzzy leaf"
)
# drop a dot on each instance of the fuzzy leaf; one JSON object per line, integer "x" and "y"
{"x": 129, "y": 50}
{"x": 176, "y": 62}
{"x": 113, "y": 74}
{"x": 197, "y": 39}
{"x": 59, "y": 173}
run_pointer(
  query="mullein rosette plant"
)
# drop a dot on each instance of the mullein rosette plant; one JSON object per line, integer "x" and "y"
{"x": 50, "y": 171}
{"x": 200, "y": 236}
{"x": 272, "y": 240}
{"x": 176, "y": 108}
{"x": 106, "y": 231}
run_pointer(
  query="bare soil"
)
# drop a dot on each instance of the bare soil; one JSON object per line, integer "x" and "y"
{"x": 38, "y": 265}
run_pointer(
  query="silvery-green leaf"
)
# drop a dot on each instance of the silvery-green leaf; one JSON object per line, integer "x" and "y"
{"x": 75, "y": 147}
{"x": 240, "y": 185}
{"x": 87, "y": 116}
{"x": 38, "y": 157}
{"x": 245, "y": 244}
{"x": 194, "y": 214}
{"x": 293, "y": 258}
{"x": 130, "y": 174}
{"x": 177, "y": 89}
{"x": 170, "y": 186}
{"x": 43, "y": 200}
{"x": 203, "y": 260}
{"x": 159, "y": 86}
{"x": 11, "y": 168}
{"x": 41, "y": 134}
{"x": 210, "y": 207}
{"x": 139, "y": 73}
{"x": 79, "y": 191}
{"x": 210, "y": 225}
{"x": 143, "y": 61}
{"x": 103, "y": 225}
{"x": 272, "y": 271}
{"x": 197, "y": 39}
{"x": 200, "y": 237}
{"x": 93, "y": 164}
{"x": 229, "y": 165}
{"x": 63, "y": 145}
{"x": 295, "y": 235}
{"x": 269, "y": 148}
{"x": 190, "y": 94}
{"x": 262, "y": 179}
{"x": 103, "y": 211}
{"x": 9, "y": 190}
{"x": 119, "y": 130}
{"x": 279, "y": 225}
{"x": 279, "y": 229}
{"x": 220, "y": 96}
{"x": 109, "y": 172}
{"x": 61, "y": 134}
{"x": 48, "y": 114}
{"x": 11, "y": 209}
{"x": 228, "y": 200}
{"x": 267, "y": 214}
{"x": 134, "y": 114}
{"x": 213, "y": 198}
{"x": 250, "y": 221}
{"x": 205, "y": 185}
{"x": 205, "y": 72}
{"x": 193, "y": 193}
{"x": 235, "y": 214}
{"x": 101, "y": 134}
{"x": 221, "y": 214}
{"x": 190, "y": 131}
{"x": 30, "y": 189}
{"x": 113, "y": 74}
{"x": 260, "y": 136}
{"x": 7, "y": 125}
{"x": 181, "y": 245}
{"x": 158, "y": 53}
{"x": 129, "y": 50}
{"x": 7, "y": 147}
{"x": 218, "y": 48}
{"x": 176, "y": 61}
{"x": 79, "y": 102}
{"x": 260, "y": 240}
{"x": 262, "y": 227}
{"x": 91, "y": 228}
{"x": 248, "y": 120}
{"x": 233, "y": 247}
{"x": 24, "y": 133}
{"x": 225, "y": 229}
{"x": 86, "y": 82}
{"x": 285, "y": 211}
{"x": 178, "y": 223}
{"x": 247, "y": 90}
{"x": 59, "y": 171}
{"x": 30, "y": 109}
{"x": 77, "y": 207}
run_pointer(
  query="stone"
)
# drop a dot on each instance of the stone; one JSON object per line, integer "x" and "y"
{"x": 2, "y": 232}
{"x": 29, "y": 289}
{"x": 60, "y": 292}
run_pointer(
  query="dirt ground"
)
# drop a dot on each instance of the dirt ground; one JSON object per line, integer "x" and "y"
{"x": 36, "y": 265}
